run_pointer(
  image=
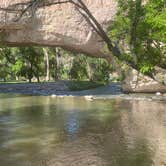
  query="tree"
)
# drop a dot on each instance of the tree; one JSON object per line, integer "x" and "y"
{"x": 4, "y": 70}
{"x": 6, "y": 61}
{"x": 99, "y": 69}
{"x": 47, "y": 63}
{"x": 56, "y": 63}
{"x": 140, "y": 29}
{"x": 78, "y": 70}
{"x": 28, "y": 63}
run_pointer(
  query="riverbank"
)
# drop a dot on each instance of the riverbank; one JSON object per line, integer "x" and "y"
{"x": 61, "y": 89}
{"x": 47, "y": 88}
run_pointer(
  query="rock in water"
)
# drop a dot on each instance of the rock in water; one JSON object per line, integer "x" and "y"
{"x": 158, "y": 94}
{"x": 53, "y": 95}
{"x": 137, "y": 82}
{"x": 89, "y": 98}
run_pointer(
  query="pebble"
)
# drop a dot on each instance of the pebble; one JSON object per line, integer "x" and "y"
{"x": 89, "y": 98}
{"x": 158, "y": 94}
{"x": 53, "y": 95}
{"x": 62, "y": 96}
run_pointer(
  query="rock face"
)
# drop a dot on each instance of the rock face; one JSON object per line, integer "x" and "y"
{"x": 57, "y": 25}
{"x": 137, "y": 82}
{"x": 62, "y": 25}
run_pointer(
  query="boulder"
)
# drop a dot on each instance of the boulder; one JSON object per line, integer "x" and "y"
{"x": 137, "y": 82}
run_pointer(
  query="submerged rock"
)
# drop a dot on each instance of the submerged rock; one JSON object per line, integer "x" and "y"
{"x": 89, "y": 98}
{"x": 53, "y": 95}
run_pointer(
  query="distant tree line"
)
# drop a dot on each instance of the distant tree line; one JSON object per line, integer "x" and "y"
{"x": 45, "y": 64}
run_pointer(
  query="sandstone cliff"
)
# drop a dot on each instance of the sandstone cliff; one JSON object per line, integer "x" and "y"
{"x": 58, "y": 25}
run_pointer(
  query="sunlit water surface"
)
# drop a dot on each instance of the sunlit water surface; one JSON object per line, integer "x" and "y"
{"x": 45, "y": 131}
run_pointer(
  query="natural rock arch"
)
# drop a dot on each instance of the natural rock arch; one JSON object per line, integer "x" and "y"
{"x": 58, "y": 25}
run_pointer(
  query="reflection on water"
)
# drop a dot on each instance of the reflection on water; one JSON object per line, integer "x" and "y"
{"x": 45, "y": 131}
{"x": 149, "y": 120}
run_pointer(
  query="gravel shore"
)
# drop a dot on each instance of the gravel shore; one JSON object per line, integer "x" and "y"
{"x": 61, "y": 89}
{"x": 56, "y": 88}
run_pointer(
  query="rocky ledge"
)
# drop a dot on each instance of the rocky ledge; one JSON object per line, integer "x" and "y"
{"x": 136, "y": 82}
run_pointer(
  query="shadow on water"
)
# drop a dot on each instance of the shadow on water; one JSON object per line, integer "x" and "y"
{"x": 42, "y": 131}
{"x": 12, "y": 95}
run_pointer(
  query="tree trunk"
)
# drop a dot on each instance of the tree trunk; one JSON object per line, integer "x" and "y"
{"x": 4, "y": 79}
{"x": 29, "y": 80}
{"x": 38, "y": 79}
{"x": 56, "y": 62}
{"x": 17, "y": 78}
{"x": 47, "y": 64}
{"x": 89, "y": 72}
{"x": 134, "y": 25}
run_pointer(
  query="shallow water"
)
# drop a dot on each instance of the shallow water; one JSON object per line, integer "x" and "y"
{"x": 45, "y": 131}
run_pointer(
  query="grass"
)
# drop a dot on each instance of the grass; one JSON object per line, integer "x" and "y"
{"x": 13, "y": 82}
{"x": 84, "y": 85}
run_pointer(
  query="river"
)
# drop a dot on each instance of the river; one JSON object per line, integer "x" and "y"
{"x": 46, "y": 131}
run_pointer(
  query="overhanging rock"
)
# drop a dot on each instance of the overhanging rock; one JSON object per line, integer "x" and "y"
{"x": 58, "y": 25}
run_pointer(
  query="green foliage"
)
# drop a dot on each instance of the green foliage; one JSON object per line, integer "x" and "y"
{"x": 29, "y": 62}
{"x": 17, "y": 67}
{"x": 100, "y": 69}
{"x": 83, "y": 85}
{"x": 24, "y": 62}
{"x": 146, "y": 68}
{"x": 4, "y": 63}
{"x": 155, "y": 17}
{"x": 140, "y": 29}
{"x": 94, "y": 69}
{"x": 78, "y": 70}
